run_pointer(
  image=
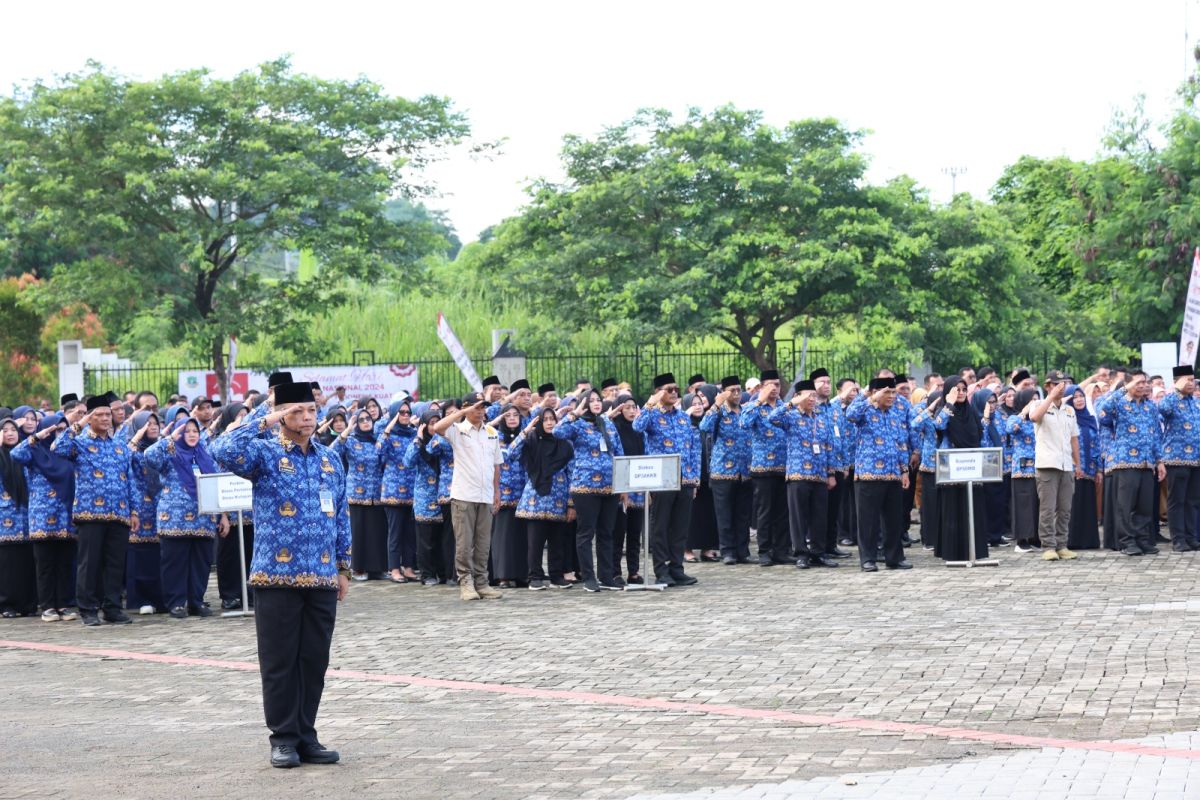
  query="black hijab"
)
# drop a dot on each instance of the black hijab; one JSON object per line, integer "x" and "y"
{"x": 964, "y": 430}
{"x": 427, "y": 419}
{"x": 544, "y": 455}
{"x": 228, "y": 415}
{"x": 631, "y": 441}
{"x": 153, "y": 479}
{"x": 1022, "y": 399}
{"x": 12, "y": 474}
{"x": 58, "y": 471}
{"x": 507, "y": 432}
{"x": 367, "y": 436}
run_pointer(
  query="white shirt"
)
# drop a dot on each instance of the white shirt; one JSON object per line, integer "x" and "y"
{"x": 477, "y": 452}
{"x": 1054, "y": 432}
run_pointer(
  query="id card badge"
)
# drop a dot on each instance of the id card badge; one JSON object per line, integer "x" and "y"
{"x": 603, "y": 446}
{"x": 835, "y": 431}
{"x": 817, "y": 449}
{"x": 326, "y": 501}
{"x": 196, "y": 470}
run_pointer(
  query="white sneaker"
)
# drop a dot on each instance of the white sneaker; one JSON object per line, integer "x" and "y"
{"x": 146, "y": 610}
{"x": 359, "y": 576}
{"x": 1023, "y": 549}
{"x": 68, "y": 614}
{"x": 50, "y": 615}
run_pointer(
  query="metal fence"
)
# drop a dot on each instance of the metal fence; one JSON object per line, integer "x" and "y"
{"x": 440, "y": 377}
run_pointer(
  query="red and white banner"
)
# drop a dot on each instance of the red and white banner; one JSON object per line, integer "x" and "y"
{"x": 1189, "y": 335}
{"x": 380, "y": 381}
{"x": 458, "y": 353}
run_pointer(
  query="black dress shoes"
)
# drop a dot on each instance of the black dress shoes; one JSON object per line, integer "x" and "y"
{"x": 317, "y": 754}
{"x": 116, "y": 616}
{"x": 900, "y": 565}
{"x": 1132, "y": 551}
{"x": 284, "y": 757}
{"x": 765, "y": 561}
{"x": 802, "y": 563}
{"x": 684, "y": 580}
{"x": 823, "y": 561}
{"x": 869, "y": 566}
{"x": 838, "y": 553}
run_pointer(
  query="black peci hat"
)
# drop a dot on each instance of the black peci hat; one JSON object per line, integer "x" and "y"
{"x": 68, "y": 397}
{"x": 316, "y": 386}
{"x": 882, "y": 383}
{"x": 730, "y": 380}
{"x": 697, "y": 378}
{"x": 806, "y": 386}
{"x": 293, "y": 393}
{"x": 546, "y": 387}
{"x": 1022, "y": 375}
{"x": 1179, "y": 372}
{"x": 491, "y": 380}
{"x": 769, "y": 375}
{"x": 518, "y": 384}
{"x": 276, "y": 378}
{"x": 608, "y": 383}
{"x": 666, "y": 379}
{"x": 819, "y": 372}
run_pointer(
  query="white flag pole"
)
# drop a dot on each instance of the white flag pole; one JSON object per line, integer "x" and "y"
{"x": 1189, "y": 334}
{"x": 446, "y": 334}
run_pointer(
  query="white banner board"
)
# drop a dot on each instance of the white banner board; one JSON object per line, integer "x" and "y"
{"x": 220, "y": 492}
{"x": 646, "y": 473}
{"x": 380, "y": 381}
{"x": 976, "y": 465}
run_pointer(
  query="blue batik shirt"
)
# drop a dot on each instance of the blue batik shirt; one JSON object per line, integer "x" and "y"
{"x": 1181, "y": 430}
{"x": 768, "y": 445}
{"x": 1024, "y": 445}
{"x": 102, "y": 485}
{"x": 425, "y": 483}
{"x": 592, "y": 464}
{"x": 730, "y": 459}
{"x": 667, "y": 432}
{"x": 553, "y": 506}
{"x": 882, "y": 450}
{"x": 365, "y": 471}
{"x": 925, "y": 428}
{"x": 178, "y": 511}
{"x": 48, "y": 517}
{"x": 809, "y": 437}
{"x": 396, "y": 482}
{"x": 1136, "y": 428}
{"x": 297, "y": 543}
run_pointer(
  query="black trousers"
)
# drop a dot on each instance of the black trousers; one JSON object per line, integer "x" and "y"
{"x": 1025, "y": 511}
{"x": 733, "y": 502}
{"x": 100, "y": 574}
{"x": 670, "y": 516}
{"x": 808, "y": 509}
{"x": 554, "y": 533}
{"x": 295, "y": 627}
{"x": 910, "y": 502}
{"x": 627, "y": 538}
{"x": 186, "y": 564}
{"x": 847, "y": 515}
{"x": 879, "y": 506}
{"x": 229, "y": 564}
{"x": 837, "y": 496}
{"x": 401, "y": 536}
{"x": 771, "y": 512}
{"x": 1134, "y": 495}
{"x": 1183, "y": 500}
{"x": 595, "y": 516}
{"x": 55, "y": 560}
{"x": 431, "y": 550}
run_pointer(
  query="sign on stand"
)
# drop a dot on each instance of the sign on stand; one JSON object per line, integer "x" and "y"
{"x": 971, "y": 466}
{"x": 221, "y": 493}
{"x": 646, "y": 474}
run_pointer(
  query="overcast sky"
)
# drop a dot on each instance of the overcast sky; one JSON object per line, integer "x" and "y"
{"x": 939, "y": 84}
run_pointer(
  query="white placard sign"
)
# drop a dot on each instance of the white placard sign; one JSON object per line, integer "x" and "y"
{"x": 645, "y": 473}
{"x": 978, "y": 465}
{"x": 224, "y": 491}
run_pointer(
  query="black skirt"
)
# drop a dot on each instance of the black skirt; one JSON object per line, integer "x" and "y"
{"x": 368, "y": 539}
{"x": 1025, "y": 511}
{"x": 1110, "y": 513}
{"x": 18, "y": 578}
{"x": 1084, "y": 531}
{"x": 929, "y": 510}
{"x": 702, "y": 534}
{"x": 954, "y": 523}
{"x": 510, "y": 546}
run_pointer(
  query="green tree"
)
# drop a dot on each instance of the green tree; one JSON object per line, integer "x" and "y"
{"x": 181, "y": 177}
{"x": 717, "y": 223}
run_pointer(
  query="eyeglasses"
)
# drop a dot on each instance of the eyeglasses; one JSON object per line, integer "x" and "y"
{"x": 403, "y": 413}
{"x": 671, "y": 389}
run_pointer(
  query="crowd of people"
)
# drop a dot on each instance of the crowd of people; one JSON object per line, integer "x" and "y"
{"x": 513, "y": 488}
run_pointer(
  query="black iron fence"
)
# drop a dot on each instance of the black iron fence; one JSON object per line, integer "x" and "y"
{"x": 440, "y": 377}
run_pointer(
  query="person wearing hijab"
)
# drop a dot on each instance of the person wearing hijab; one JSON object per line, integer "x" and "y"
{"x": 51, "y": 481}
{"x": 1180, "y": 412}
{"x": 18, "y": 590}
{"x": 438, "y": 447}
{"x": 185, "y": 535}
{"x": 510, "y": 539}
{"x": 595, "y": 442}
{"x": 26, "y": 419}
{"x": 143, "y": 559}
{"x": 1024, "y": 474}
{"x": 964, "y": 430}
{"x": 372, "y": 407}
{"x": 729, "y": 471}
{"x": 927, "y": 425}
{"x": 1084, "y": 531}
{"x": 702, "y": 533}
{"x": 427, "y": 511}
{"x": 396, "y": 490}
{"x": 986, "y": 405}
{"x": 627, "y": 539}
{"x": 545, "y": 498}
{"x": 1004, "y": 409}
{"x": 368, "y": 523}
{"x": 102, "y": 512}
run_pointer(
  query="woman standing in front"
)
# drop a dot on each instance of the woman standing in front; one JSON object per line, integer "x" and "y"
{"x": 185, "y": 535}
{"x": 545, "y": 500}
{"x": 368, "y": 524}
{"x": 18, "y": 592}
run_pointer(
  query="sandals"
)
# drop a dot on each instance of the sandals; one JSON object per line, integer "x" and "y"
{"x": 394, "y": 579}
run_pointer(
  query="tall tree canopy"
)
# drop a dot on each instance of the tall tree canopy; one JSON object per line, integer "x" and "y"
{"x": 176, "y": 180}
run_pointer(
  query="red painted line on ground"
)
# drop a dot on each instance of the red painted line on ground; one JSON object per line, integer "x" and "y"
{"x": 816, "y": 720}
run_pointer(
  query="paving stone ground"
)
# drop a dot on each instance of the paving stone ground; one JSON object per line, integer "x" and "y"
{"x": 1100, "y": 649}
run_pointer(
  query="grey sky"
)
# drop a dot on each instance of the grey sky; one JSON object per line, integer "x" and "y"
{"x": 939, "y": 84}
